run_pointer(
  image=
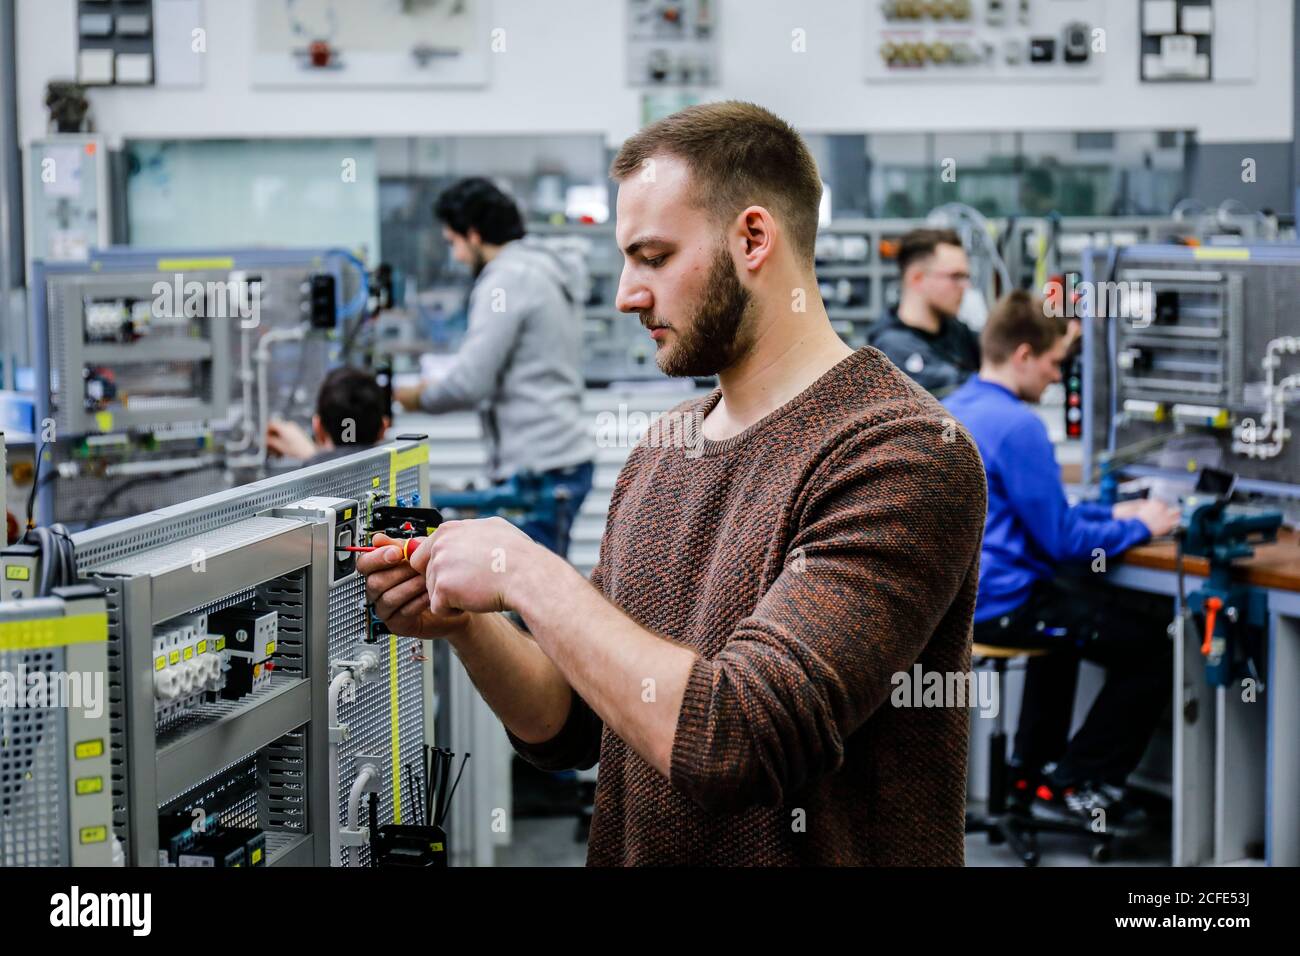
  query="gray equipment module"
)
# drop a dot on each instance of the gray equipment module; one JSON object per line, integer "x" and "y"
{"x": 268, "y": 759}
{"x": 1192, "y": 357}
{"x": 156, "y": 373}
{"x": 56, "y": 805}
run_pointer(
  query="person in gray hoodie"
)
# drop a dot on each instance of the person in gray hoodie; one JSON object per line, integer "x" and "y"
{"x": 520, "y": 362}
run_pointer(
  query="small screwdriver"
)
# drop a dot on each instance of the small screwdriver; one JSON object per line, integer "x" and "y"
{"x": 366, "y": 549}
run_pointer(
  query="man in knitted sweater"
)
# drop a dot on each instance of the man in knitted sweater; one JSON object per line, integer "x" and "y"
{"x": 779, "y": 556}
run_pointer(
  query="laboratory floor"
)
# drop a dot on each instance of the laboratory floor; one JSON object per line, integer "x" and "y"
{"x": 550, "y": 842}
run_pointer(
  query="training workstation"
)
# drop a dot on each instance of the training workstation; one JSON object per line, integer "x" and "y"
{"x": 835, "y": 433}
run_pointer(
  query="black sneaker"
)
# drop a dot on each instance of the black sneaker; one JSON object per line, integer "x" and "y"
{"x": 1088, "y": 809}
{"x": 1124, "y": 811}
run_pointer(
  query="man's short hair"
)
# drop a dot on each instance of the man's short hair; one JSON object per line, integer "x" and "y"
{"x": 476, "y": 203}
{"x": 920, "y": 244}
{"x": 1018, "y": 318}
{"x": 350, "y": 394}
{"x": 739, "y": 155}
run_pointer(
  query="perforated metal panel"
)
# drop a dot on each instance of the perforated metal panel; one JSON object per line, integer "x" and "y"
{"x": 33, "y": 790}
{"x": 180, "y": 554}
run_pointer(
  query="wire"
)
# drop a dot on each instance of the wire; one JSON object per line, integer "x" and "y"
{"x": 446, "y": 805}
{"x": 358, "y": 303}
{"x": 36, "y": 484}
{"x": 58, "y": 564}
{"x": 135, "y": 482}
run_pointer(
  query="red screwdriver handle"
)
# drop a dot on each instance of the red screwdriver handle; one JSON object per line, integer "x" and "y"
{"x": 1212, "y": 607}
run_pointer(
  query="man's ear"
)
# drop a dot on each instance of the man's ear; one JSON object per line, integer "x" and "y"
{"x": 1023, "y": 353}
{"x": 386, "y": 424}
{"x": 318, "y": 433}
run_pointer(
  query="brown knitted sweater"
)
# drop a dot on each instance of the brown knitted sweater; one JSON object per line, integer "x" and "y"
{"x": 806, "y": 560}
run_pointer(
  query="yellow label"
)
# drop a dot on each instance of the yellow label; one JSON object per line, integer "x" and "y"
{"x": 203, "y": 647}
{"x": 18, "y": 572}
{"x": 37, "y": 633}
{"x": 159, "y": 663}
{"x": 347, "y": 515}
{"x": 89, "y": 785}
{"x": 221, "y": 643}
{"x": 175, "y": 657}
{"x": 270, "y": 649}
{"x": 93, "y": 835}
{"x": 257, "y": 856}
{"x": 189, "y": 653}
{"x": 195, "y": 265}
{"x": 257, "y": 671}
{"x": 1211, "y": 254}
{"x": 435, "y": 847}
{"x": 104, "y": 421}
{"x": 375, "y": 483}
{"x": 89, "y": 749}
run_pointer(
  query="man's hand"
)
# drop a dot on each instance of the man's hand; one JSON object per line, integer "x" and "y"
{"x": 399, "y": 594}
{"x": 408, "y": 396}
{"x": 1159, "y": 517}
{"x": 477, "y": 565}
{"x": 288, "y": 440}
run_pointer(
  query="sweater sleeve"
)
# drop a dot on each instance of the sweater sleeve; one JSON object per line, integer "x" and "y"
{"x": 1029, "y": 473}
{"x": 498, "y": 306}
{"x": 886, "y": 537}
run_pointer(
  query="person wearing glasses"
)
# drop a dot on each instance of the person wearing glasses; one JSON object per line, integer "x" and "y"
{"x": 923, "y": 335}
{"x": 1040, "y": 585}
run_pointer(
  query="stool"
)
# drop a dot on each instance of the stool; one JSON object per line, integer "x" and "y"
{"x": 996, "y": 821}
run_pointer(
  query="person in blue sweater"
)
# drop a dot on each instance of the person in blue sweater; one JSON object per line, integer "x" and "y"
{"x": 1029, "y": 597}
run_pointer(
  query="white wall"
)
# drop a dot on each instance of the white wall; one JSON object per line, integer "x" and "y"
{"x": 563, "y": 71}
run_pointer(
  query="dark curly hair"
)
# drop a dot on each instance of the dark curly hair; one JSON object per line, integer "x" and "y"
{"x": 477, "y": 204}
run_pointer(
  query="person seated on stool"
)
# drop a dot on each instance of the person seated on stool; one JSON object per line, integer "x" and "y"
{"x": 352, "y": 414}
{"x": 1027, "y": 597}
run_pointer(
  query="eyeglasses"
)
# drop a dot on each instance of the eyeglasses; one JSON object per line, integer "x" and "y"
{"x": 952, "y": 276}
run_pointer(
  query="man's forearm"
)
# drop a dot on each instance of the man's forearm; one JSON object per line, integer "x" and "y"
{"x": 633, "y": 678}
{"x": 518, "y": 681}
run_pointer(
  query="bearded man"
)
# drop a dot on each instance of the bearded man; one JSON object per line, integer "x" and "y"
{"x": 812, "y": 535}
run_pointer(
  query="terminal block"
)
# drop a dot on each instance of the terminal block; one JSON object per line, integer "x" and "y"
{"x": 189, "y": 668}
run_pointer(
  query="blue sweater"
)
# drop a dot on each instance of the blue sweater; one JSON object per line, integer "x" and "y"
{"x": 1031, "y": 527}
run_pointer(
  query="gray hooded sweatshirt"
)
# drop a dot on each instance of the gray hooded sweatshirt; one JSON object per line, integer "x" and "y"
{"x": 521, "y": 362}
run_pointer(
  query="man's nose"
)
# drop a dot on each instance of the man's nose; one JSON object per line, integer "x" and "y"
{"x": 632, "y": 296}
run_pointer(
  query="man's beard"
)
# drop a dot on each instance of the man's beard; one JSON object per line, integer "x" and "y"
{"x": 717, "y": 337}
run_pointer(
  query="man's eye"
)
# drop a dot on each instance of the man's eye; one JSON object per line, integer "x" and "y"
{"x": 656, "y": 262}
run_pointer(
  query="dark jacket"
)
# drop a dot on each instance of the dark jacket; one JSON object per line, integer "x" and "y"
{"x": 938, "y": 363}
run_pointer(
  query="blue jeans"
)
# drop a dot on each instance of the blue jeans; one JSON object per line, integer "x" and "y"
{"x": 553, "y": 533}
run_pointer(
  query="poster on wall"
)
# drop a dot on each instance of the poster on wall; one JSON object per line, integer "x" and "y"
{"x": 369, "y": 43}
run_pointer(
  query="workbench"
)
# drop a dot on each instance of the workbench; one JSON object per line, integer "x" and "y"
{"x": 1236, "y": 763}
